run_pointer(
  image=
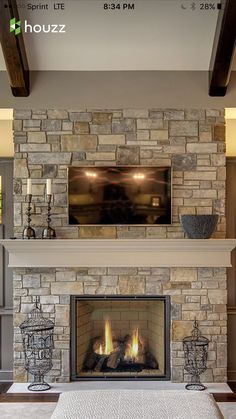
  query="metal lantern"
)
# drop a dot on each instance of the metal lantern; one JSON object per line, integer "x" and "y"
{"x": 37, "y": 334}
{"x": 195, "y": 354}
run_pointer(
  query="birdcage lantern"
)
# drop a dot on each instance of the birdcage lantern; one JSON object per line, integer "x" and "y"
{"x": 195, "y": 355}
{"x": 37, "y": 335}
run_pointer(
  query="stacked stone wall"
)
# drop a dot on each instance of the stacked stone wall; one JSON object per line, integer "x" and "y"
{"x": 192, "y": 142}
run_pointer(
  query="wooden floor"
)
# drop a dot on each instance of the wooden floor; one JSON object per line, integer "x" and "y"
{"x": 28, "y": 398}
{"x": 224, "y": 397}
{"x": 232, "y": 385}
{"x": 5, "y": 386}
{"x": 53, "y": 397}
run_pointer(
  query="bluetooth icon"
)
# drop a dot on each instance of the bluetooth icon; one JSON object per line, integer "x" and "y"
{"x": 193, "y": 6}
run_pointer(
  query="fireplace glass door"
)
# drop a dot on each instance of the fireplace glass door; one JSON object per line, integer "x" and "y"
{"x": 120, "y": 337}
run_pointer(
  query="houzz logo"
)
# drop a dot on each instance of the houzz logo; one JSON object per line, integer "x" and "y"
{"x": 15, "y": 26}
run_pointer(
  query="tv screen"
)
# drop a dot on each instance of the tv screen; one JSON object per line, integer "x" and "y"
{"x": 119, "y": 195}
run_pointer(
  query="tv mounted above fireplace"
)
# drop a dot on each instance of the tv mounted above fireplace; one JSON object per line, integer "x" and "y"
{"x": 119, "y": 195}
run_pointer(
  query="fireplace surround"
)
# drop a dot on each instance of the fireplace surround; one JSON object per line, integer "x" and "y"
{"x": 120, "y": 337}
{"x": 194, "y": 293}
{"x": 197, "y": 291}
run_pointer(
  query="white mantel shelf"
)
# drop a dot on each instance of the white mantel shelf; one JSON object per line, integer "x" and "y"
{"x": 119, "y": 253}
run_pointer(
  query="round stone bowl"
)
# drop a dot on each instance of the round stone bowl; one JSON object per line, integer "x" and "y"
{"x": 199, "y": 226}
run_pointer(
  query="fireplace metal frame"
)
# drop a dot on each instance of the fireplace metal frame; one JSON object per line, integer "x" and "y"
{"x": 74, "y": 376}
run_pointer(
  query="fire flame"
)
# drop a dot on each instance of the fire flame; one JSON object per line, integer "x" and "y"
{"x": 108, "y": 339}
{"x": 133, "y": 348}
{"x": 100, "y": 350}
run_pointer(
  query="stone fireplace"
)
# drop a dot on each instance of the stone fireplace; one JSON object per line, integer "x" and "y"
{"x": 194, "y": 292}
{"x": 191, "y": 141}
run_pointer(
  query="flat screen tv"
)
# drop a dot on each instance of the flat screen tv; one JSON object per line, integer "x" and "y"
{"x": 119, "y": 195}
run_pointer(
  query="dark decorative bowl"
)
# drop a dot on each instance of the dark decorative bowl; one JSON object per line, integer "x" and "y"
{"x": 199, "y": 226}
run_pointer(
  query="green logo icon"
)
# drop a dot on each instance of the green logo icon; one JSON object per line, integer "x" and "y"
{"x": 15, "y": 26}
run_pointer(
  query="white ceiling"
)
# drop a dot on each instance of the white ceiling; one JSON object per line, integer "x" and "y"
{"x": 157, "y": 35}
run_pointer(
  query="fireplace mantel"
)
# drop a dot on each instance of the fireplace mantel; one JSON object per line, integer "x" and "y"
{"x": 119, "y": 253}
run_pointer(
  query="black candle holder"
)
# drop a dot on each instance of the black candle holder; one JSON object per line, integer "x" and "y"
{"x": 28, "y": 232}
{"x": 49, "y": 232}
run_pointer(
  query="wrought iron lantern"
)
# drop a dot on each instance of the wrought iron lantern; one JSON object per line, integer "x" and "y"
{"x": 195, "y": 354}
{"x": 37, "y": 334}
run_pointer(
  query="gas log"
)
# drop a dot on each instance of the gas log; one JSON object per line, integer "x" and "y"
{"x": 120, "y": 359}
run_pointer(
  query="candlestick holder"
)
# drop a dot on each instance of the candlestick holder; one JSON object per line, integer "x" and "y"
{"x": 28, "y": 232}
{"x": 49, "y": 232}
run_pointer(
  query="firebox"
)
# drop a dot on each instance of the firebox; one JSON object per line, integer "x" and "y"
{"x": 120, "y": 337}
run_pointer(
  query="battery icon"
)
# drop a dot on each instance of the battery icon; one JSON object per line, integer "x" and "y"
{"x": 219, "y": 6}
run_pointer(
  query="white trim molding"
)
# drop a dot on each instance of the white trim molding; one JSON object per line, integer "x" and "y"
{"x": 119, "y": 253}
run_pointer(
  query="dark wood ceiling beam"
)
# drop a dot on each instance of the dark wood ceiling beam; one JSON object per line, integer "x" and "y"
{"x": 13, "y": 48}
{"x": 223, "y": 49}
